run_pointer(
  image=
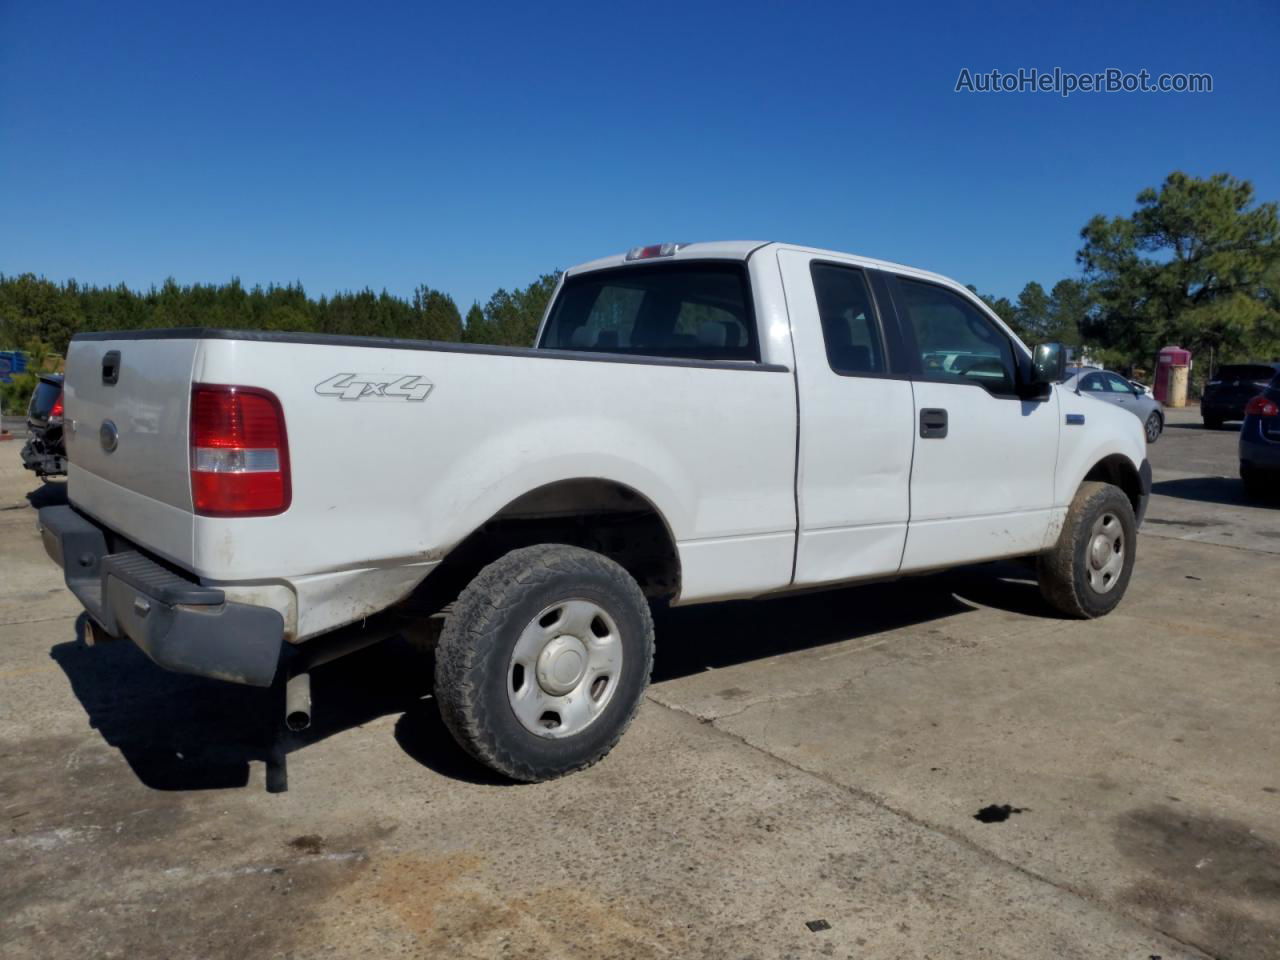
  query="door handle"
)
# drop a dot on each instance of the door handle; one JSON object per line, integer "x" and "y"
{"x": 933, "y": 423}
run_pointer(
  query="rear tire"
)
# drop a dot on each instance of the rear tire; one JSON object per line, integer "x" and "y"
{"x": 1086, "y": 573}
{"x": 1213, "y": 423}
{"x": 1155, "y": 426}
{"x": 543, "y": 661}
{"x": 1255, "y": 486}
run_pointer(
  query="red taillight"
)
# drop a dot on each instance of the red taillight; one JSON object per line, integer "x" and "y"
{"x": 239, "y": 452}
{"x": 56, "y": 409}
{"x": 1262, "y": 406}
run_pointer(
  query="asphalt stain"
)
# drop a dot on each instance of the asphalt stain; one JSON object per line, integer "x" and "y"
{"x": 1212, "y": 881}
{"x": 1185, "y": 523}
{"x": 997, "y": 813}
{"x": 311, "y": 843}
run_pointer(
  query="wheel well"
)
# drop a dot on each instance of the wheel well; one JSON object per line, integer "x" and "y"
{"x": 1119, "y": 471}
{"x": 600, "y": 515}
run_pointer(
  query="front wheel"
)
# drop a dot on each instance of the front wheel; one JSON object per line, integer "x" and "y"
{"x": 543, "y": 661}
{"x": 1213, "y": 423}
{"x": 1087, "y": 572}
{"x": 1154, "y": 427}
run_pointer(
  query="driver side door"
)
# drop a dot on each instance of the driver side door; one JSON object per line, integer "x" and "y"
{"x": 984, "y": 459}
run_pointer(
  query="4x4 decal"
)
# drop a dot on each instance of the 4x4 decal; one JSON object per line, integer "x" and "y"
{"x": 374, "y": 386}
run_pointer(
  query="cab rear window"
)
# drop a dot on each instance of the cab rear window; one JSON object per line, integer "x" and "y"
{"x": 1244, "y": 371}
{"x": 684, "y": 311}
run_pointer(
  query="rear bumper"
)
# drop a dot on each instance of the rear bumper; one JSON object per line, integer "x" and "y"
{"x": 180, "y": 624}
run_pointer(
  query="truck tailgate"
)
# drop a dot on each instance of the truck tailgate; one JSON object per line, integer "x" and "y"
{"x": 127, "y": 406}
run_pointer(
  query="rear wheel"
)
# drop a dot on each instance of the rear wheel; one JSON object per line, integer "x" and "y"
{"x": 1254, "y": 481}
{"x": 543, "y": 661}
{"x": 1086, "y": 573}
{"x": 1213, "y": 423}
{"x": 1154, "y": 427}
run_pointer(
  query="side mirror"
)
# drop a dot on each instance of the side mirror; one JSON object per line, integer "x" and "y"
{"x": 1048, "y": 364}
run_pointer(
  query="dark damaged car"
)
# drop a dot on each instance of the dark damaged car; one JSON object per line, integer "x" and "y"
{"x": 44, "y": 453}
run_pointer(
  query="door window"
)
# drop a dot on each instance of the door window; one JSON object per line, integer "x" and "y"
{"x": 1119, "y": 384}
{"x": 848, "y": 319}
{"x": 957, "y": 341}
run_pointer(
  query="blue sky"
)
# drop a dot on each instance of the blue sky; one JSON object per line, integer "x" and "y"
{"x": 471, "y": 146}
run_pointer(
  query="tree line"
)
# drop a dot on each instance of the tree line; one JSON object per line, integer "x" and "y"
{"x": 1196, "y": 263}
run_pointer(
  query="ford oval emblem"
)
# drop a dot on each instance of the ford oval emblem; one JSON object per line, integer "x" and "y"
{"x": 108, "y": 436}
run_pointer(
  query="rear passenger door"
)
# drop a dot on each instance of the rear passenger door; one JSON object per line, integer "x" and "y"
{"x": 984, "y": 458}
{"x": 856, "y": 413}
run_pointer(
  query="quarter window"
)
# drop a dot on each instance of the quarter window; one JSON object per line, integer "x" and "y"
{"x": 848, "y": 320}
{"x": 957, "y": 342}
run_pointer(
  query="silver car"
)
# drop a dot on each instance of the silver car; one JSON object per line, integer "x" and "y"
{"x": 1114, "y": 388}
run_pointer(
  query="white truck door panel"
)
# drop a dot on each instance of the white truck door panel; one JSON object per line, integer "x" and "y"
{"x": 982, "y": 477}
{"x": 856, "y": 425}
{"x": 986, "y": 489}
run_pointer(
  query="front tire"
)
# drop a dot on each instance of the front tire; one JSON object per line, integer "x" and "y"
{"x": 1155, "y": 426}
{"x": 544, "y": 660}
{"x": 1086, "y": 573}
{"x": 1213, "y": 423}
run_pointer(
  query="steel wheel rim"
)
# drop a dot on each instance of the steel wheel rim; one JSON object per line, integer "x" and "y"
{"x": 564, "y": 668}
{"x": 1104, "y": 554}
{"x": 1153, "y": 428}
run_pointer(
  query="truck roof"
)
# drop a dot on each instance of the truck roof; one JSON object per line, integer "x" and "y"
{"x": 743, "y": 249}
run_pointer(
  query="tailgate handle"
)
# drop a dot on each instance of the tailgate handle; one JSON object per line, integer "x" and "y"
{"x": 111, "y": 367}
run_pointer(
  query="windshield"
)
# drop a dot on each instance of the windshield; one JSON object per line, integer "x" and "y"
{"x": 690, "y": 311}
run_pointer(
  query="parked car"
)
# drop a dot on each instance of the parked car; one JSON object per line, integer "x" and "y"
{"x": 1115, "y": 389}
{"x": 696, "y": 423}
{"x": 1231, "y": 387}
{"x": 44, "y": 452}
{"x": 1260, "y": 442}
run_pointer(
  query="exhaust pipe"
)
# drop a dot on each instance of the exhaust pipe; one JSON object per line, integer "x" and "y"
{"x": 297, "y": 702}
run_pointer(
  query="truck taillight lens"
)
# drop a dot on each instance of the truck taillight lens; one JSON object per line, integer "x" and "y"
{"x": 239, "y": 452}
{"x": 1262, "y": 406}
{"x": 55, "y": 412}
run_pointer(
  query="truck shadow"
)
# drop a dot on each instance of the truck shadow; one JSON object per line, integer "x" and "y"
{"x": 187, "y": 733}
{"x": 51, "y": 493}
{"x": 178, "y": 732}
{"x": 1226, "y": 490}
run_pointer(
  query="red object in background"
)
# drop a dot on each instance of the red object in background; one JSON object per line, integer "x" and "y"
{"x": 1166, "y": 360}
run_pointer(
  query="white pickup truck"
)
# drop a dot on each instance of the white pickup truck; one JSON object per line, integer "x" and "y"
{"x": 696, "y": 423}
